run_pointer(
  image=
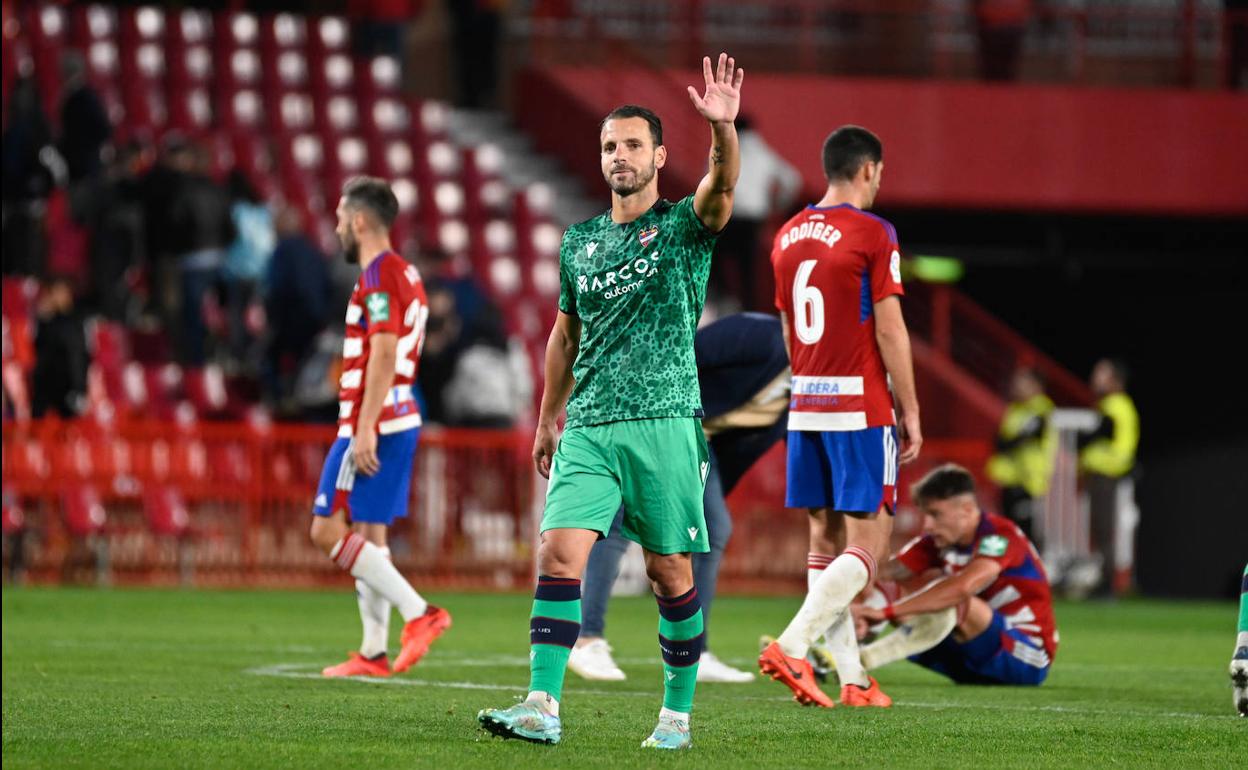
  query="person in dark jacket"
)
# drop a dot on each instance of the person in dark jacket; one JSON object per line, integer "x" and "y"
{"x": 743, "y": 371}
{"x": 59, "y": 381}
{"x": 297, "y": 302}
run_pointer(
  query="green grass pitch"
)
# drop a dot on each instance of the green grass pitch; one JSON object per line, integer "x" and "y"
{"x": 148, "y": 678}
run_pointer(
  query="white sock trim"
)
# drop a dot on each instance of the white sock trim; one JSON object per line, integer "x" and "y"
{"x": 667, "y": 714}
{"x": 543, "y": 701}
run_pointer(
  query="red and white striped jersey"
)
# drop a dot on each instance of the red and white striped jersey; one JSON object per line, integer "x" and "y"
{"x": 832, "y": 265}
{"x": 388, "y": 297}
{"x": 1021, "y": 591}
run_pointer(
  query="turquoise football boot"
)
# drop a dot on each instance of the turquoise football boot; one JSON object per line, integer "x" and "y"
{"x": 669, "y": 734}
{"x": 524, "y": 721}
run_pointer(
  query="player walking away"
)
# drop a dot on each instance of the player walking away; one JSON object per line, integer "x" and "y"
{"x": 368, "y": 471}
{"x": 1239, "y": 663}
{"x": 743, "y": 373}
{"x": 991, "y": 592}
{"x": 838, "y": 288}
{"x": 632, "y": 285}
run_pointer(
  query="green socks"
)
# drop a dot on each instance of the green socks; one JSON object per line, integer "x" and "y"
{"x": 553, "y": 627}
{"x": 680, "y": 639}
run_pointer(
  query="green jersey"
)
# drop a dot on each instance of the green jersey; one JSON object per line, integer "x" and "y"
{"x": 638, "y": 289}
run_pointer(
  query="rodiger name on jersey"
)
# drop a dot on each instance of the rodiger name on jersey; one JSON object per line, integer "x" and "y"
{"x": 819, "y": 231}
{"x": 628, "y": 277}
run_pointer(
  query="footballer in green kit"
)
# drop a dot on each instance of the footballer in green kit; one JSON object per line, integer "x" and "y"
{"x": 620, "y": 357}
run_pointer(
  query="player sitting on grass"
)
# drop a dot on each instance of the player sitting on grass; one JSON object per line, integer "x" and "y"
{"x": 988, "y": 617}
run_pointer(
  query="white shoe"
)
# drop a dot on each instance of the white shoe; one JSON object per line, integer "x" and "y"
{"x": 712, "y": 669}
{"x": 1239, "y": 681}
{"x": 593, "y": 661}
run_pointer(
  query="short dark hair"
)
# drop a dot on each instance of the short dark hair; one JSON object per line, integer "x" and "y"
{"x": 941, "y": 483}
{"x": 846, "y": 149}
{"x": 633, "y": 111}
{"x": 1122, "y": 372}
{"x": 1034, "y": 374}
{"x": 373, "y": 194}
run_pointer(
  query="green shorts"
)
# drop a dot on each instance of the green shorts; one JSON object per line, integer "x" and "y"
{"x": 656, "y": 468}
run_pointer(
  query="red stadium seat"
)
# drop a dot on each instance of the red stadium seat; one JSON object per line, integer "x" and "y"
{"x": 12, "y": 519}
{"x": 165, "y": 511}
{"x": 190, "y": 27}
{"x": 331, "y": 34}
{"x": 505, "y": 277}
{"x": 242, "y": 112}
{"x": 285, "y": 30}
{"x": 205, "y": 388}
{"x": 84, "y": 514}
{"x": 341, "y": 116}
{"x": 544, "y": 278}
{"x": 91, "y": 23}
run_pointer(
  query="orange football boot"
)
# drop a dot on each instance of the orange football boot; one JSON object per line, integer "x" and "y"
{"x": 358, "y": 665}
{"x": 794, "y": 673}
{"x": 418, "y": 634}
{"x": 853, "y": 695}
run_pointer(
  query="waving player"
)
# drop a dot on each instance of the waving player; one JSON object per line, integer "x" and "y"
{"x": 838, "y": 287}
{"x": 368, "y": 471}
{"x": 633, "y": 281}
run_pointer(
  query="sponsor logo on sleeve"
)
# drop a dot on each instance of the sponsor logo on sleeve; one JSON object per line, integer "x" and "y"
{"x": 993, "y": 545}
{"x": 378, "y": 307}
{"x": 894, "y": 266}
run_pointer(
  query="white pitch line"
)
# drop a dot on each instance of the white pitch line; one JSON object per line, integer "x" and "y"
{"x": 299, "y": 671}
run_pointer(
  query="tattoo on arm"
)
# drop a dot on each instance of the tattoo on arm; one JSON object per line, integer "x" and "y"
{"x": 717, "y": 155}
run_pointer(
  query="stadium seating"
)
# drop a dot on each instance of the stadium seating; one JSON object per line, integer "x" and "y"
{"x": 282, "y": 97}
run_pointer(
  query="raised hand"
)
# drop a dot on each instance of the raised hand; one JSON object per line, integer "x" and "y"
{"x": 722, "y": 98}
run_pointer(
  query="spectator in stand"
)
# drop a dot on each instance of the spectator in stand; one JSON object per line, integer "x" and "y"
{"x": 161, "y": 190}
{"x": 1237, "y": 39}
{"x": 247, "y": 260}
{"x": 85, "y": 128}
{"x": 1026, "y": 444}
{"x": 475, "y": 27}
{"x": 379, "y": 25}
{"x": 30, "y": 164}
{"x": 769, "y": 184}
{"x": 118, "y": 245}
{"x": 59, "y": 381}
{"x": 491, "y": 385}
{"x": 442, "y": 347}
{"x": 1107, "y": 459}
{"x": 1001, "y": 25}
{"x": 297, "y": 303}
{"x": 201, "y": 214}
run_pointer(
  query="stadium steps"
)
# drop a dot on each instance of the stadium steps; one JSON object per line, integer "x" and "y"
{"x": 523, "y": 165}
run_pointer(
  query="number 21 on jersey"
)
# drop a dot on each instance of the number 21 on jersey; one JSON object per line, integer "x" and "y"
{"x": 413, "y": 342}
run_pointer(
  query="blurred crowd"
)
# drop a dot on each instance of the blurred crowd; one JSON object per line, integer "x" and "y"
{"x": 1027, "y": 448}
{"x": 202, "y": 268}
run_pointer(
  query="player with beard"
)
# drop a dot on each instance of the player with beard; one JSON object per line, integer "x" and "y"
{"x": 368, "y": 471}
{"x": 632, "y": 285}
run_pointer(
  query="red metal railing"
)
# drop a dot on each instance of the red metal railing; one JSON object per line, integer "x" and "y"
{"x": 229, "y": 504}
{"x": 242, "y": 496}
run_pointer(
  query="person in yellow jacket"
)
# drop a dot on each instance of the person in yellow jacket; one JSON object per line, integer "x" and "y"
{"x": 1107, "y": 458}
{"x": 1026, "y": 444}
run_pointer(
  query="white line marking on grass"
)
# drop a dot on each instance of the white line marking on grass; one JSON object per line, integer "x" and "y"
{"x": 300, "y": 671}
